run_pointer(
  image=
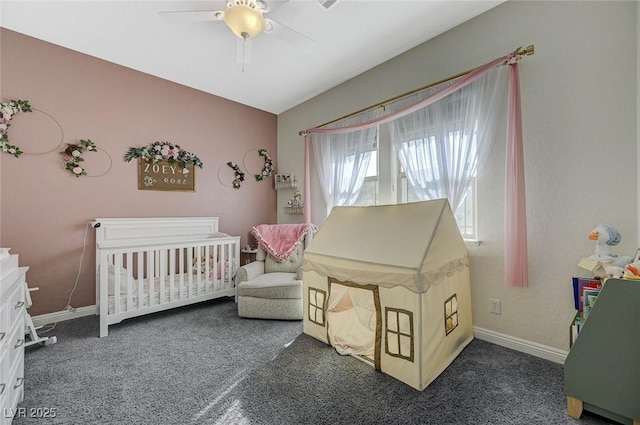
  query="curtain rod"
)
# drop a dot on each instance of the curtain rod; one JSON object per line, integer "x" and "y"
{"x": 528, "y": 51}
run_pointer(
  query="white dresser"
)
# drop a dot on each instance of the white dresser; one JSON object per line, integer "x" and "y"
{"x": 12, "y": 337}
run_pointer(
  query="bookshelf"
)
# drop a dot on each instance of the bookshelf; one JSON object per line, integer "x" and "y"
{"x": 602, "y": 370}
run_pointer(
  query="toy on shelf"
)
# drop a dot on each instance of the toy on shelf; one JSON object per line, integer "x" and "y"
{"x": 296, "y": 201}
{"x": 605, "y": 235}
{"x": 603, "y": 263}
{"x": 295, "y": 204}
{"x": 286, "y": 181}
{"x": 632, "y": 271}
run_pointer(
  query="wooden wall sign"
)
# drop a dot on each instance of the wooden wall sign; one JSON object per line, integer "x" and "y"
{"x": 165, "y": 176}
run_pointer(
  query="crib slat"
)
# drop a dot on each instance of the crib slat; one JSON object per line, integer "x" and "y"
{"x": 162, "y": 272}
{"x": 150, "y": 275}
{"x": 129, "y": 266}
{"x": 191, "y": 256}
{"x": 207, "y": 268}
{"x": 117, "y": 266}
{"x": 229, "y": 268}
{"x": 223, "y": 267}
{"x": 140, "y": 274}
{"x": 181, "y": 272}
{"x": 200, "y": 254}
{"x": 215, "y": 267}
{"x": 172, "y": 273}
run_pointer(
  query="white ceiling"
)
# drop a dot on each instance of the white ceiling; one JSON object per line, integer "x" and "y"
{"x": 351, "y": 37}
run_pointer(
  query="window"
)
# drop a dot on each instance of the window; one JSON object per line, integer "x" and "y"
{"x": 450, "y": 314}
{"x": 399, "y": 333}
{"x": 381, "y": 181}
{"x": 465, "y": 214}
{"x": 316, "y": 306}
{"x": 369, "y": 191}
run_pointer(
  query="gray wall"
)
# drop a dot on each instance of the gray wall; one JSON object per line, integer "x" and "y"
{"x": 579, "y": 118}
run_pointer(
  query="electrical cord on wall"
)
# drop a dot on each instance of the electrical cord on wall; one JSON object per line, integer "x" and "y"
{"x": 91, "y": 224}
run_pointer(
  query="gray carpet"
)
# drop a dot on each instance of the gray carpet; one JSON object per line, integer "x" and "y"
{"x": 204, "y": 365}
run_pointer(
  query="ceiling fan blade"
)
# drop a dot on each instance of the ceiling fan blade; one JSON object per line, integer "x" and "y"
{"x": 194, "y": 15}
{"x": 268, "y": 6}
{"x": 290, "y": 36}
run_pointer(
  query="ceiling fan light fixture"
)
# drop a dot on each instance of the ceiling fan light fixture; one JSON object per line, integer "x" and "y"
{"x": 244, "y": 19}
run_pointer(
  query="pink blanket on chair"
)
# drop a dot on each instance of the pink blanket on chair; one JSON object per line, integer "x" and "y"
{"x": 281, "y": 240}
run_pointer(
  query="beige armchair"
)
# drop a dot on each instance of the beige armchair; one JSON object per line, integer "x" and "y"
{"x": 267, "y": 289}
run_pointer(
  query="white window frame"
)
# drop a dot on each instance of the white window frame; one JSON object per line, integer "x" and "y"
{"x": 390, "y": 183}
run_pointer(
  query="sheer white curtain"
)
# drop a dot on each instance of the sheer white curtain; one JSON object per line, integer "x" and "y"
{"x": 441, "y": 145}
{"x": 342, "y": 159}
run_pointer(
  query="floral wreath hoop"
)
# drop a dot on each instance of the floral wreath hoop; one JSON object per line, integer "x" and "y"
{"x": 73, "y": 156}
{"x": 7, "y": 111}
{"x": 267, "y": 168}
{"x": 237, "y": 174}
{"x": 61, "y": 134}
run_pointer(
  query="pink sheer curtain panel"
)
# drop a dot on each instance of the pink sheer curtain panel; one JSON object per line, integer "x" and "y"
{"x": 306, "y": 204}
{"x": 516, "y": 261}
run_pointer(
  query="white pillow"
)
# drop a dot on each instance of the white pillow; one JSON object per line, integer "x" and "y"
{"x": 112, "y": 280}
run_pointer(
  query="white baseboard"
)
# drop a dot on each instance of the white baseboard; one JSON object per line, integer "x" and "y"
{"x": 522, "y": 345}
{"x": 60, "y": 316}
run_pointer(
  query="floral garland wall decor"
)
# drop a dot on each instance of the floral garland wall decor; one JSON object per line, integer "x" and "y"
{"x": 73, "y": 156}
{"x": 159, "y": 151}
{"x": 164, "y": 166}
{"x": 267, "y": 169}
{"x": 7, "y": 111}
{"x": 237, "y": 174}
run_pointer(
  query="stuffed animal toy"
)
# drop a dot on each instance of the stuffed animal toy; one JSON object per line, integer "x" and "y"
{"x": 202, "y": 263}
{"x": 632, "y": 271}
{"x": 605, "y": 235}
{"x": 609, "y": 264}
{"x": 211, "y": 267}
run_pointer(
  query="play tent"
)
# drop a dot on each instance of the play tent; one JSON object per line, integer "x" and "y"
{"x": 390, "y": 284}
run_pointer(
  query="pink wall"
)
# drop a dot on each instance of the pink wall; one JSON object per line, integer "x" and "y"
{"x": 45, "y": 209}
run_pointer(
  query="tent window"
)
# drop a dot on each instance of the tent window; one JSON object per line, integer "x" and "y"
{"x": 399, "y": 333}
{"x": 450, "y": 314}
{"x": 317, "y": 298}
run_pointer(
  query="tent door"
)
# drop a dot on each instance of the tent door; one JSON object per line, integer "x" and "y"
{"x": 354, "y": 320}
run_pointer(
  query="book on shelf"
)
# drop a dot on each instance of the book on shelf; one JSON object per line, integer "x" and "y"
{"x": 585, "y": 293}
{"x": 576, "y": 327}
{"x": 589, "y": 296}
{"x": 579, "y": 283}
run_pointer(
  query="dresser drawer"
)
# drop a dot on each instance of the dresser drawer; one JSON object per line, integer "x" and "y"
{"x": 16, "y": 302}
{"x": 4, "y": 372}
{"x": 15, "y": 392}
{"x": 4, "y": 386}
{"x": 16, "y": 343}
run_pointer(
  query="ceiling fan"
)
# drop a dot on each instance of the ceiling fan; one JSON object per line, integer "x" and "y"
{"x": 246, "y": 19}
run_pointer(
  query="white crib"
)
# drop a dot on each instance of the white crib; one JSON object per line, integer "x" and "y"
{"x": 146, "y": 265}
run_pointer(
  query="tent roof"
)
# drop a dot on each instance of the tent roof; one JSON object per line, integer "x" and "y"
{"x": 413, "y": 245}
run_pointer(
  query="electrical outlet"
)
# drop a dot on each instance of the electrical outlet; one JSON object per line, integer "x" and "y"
{"x": 494, "y": 306}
